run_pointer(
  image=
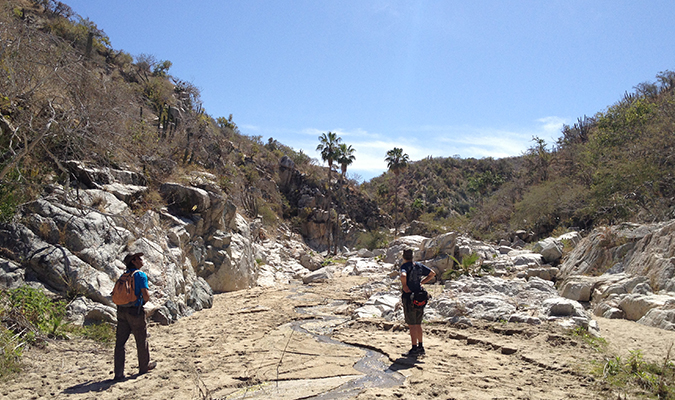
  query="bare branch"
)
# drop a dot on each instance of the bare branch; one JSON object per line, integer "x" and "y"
{"x": 28, "y": 147}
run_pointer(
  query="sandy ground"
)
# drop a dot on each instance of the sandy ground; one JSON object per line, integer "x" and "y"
{"x": 273, "y": 344}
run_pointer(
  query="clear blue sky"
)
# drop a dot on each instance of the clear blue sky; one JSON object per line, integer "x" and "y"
{"x": 436, "y": 78}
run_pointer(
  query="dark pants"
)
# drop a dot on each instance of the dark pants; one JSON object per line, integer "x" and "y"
{"x": 130, "y": 320}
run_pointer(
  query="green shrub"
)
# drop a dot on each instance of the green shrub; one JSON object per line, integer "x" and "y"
{"x": 29, "y": 316}
{"x": 101, "y": 332}
{"x": 8, "y": 204}
{"x": 466, "y": 267}
{"x": 597, "y": 343}
{"x": 41, "y": 313}
{"x": 269, "y": 217}
{"x": 372, "y": 240}
{"x": 11, "y": 346}
{"x": 656, "y": 379}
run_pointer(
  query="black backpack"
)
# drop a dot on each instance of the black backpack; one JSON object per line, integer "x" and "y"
{"x": 420, "y": 298}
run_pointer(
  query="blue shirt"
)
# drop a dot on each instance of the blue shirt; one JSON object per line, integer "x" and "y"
{"x": 140, "y": 282}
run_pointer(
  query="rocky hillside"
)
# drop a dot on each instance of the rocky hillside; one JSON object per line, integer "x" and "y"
{"x": 89, "y": 103}
{"x": 613, "y": 167}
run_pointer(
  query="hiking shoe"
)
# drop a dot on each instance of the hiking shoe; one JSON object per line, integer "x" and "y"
{"x": 420, "y": 351}
{"x": 121, "y": 378}
{"x": 151, "y": 366}
{"x": 413, "y": 352}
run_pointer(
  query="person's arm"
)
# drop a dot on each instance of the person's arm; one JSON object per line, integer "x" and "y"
{"x": 142, "y": 284}
{"x": 429, "y": 277}
{"x": 145, "y": 294}
{"x": 404, "y": 282}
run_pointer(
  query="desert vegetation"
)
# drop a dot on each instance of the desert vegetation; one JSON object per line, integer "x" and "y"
{"x": 614, "y": 166}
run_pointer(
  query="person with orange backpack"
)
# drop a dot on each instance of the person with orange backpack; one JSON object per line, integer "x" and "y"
{"x": 129, "y": 294}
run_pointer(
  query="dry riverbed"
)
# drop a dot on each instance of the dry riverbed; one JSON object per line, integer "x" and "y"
{"x": 299, "y": 342}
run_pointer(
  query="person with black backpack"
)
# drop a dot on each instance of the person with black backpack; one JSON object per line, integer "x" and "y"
{"x": 414, "y": 298}
{"x": 131, "y": 315}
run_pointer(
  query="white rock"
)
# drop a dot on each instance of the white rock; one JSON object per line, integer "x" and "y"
{"x": 577, "y": 288}
{"x": 321, "y": 275}
{"x": 368, "y": 311}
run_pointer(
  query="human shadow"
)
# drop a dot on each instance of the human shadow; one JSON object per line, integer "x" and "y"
{"x": 405, "y": 363}
{"x": 91, "y": 386}
{"x": 95, "y": 386}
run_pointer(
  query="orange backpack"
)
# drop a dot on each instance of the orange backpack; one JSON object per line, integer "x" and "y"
{"x": 124, "y": 292}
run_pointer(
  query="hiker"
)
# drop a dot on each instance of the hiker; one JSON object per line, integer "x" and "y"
{"x": 131, "y": 319}
{"x": 413, "y": 275}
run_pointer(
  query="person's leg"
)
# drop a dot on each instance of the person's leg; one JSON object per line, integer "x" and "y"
{"x": 409, "y": 314}
{"x": 416, "y": 328}
{"x": 413, "y": 333}
{"x": 413, "y": 349}
{"x": 416, "y": 334}
{"x": 139, "y": 329}
{"x": 121, "y": 335}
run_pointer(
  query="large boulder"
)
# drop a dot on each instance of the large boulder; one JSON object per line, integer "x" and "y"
{"x": 636, "y": 306}
{"x": 231, "y": 267}
{"x": 653, "y": 256}
{"x": 634, "y": 271}
{"x": 550, "y": 249}
{"x": 606, "y": 248}
{"x": 660, "y": 318}
{"x": 321, "y": 275}
{"x": 578, "y": 288}
{"x": 439, "y": 246}
{"x": 560, "y": 307}
{"x": 498, "y": 299}
{"x": 526, "y": 258}
{"x": 394, "y": 252}
{"x": 12, "y": 275}
{"x": 95, "y": 178}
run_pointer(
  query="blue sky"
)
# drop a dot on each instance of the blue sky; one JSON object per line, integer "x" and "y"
{"x": 436, "y": 78}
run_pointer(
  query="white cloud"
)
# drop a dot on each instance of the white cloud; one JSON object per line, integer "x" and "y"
{"x": 436, "y": 141}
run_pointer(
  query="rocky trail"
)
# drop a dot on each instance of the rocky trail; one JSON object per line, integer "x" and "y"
{"x": 301, "y": 342}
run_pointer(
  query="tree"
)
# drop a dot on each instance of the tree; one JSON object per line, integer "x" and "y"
{"x": 328, "y": 146}
{"x": 397, "y": 161}
{"x": 538, "y": 159}
{"x": 345, "y": 157}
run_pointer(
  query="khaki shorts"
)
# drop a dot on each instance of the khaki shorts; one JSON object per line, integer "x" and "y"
{"x": 413, "y": 315}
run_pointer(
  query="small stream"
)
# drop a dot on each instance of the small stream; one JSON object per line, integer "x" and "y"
{"x": 374, "y": 365}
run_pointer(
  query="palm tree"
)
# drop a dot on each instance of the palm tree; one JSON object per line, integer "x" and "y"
{"x": 328, "y": 146}
{"x": 345, "y": 157}
{"x": 397, "y": 161}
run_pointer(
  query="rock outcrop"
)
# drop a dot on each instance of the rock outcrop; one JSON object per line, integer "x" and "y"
{"x": 625, "y": 271}
{"x": 525, "y": 286}
{"x": 72, "y": 240}
{"x": 319, "y": 214}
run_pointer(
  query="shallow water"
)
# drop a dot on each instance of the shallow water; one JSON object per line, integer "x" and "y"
{"x": 373, "y": 366}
